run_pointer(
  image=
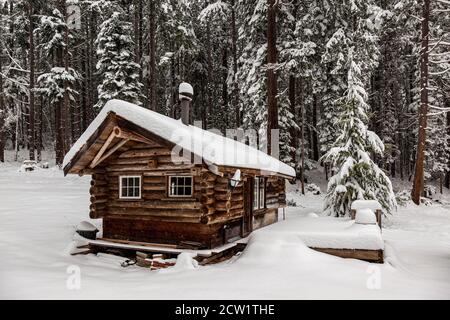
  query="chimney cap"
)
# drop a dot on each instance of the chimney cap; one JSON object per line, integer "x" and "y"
{"x": 185, "y": 91}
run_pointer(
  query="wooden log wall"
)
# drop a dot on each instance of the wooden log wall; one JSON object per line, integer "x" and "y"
{"x": 99, "y": 192}
{"x": 221, "y": 204}
{"x": 275, "y": 192}
{"x": 214, "y": 212}
{"x": 154, "y": 164}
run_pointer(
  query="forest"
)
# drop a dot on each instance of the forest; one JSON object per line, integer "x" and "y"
{"x": 311, "y": 69}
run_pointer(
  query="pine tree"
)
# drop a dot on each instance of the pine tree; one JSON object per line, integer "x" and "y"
{"x": 118, "y": 71}
{"x": 357, "y": 176}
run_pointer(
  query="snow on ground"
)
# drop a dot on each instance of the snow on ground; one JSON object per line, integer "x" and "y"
{"x": 40, "y": 210}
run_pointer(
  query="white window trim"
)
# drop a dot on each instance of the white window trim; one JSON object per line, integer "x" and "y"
{"x": 169, "y": 186}
{"x": 120, "y": 188}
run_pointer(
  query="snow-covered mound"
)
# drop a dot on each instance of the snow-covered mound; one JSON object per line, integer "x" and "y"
{"x": 365, "y": 216}
{"x": 366, "y": 204}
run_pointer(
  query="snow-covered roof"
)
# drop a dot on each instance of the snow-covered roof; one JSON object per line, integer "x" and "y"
{"x": 213, "y": 148}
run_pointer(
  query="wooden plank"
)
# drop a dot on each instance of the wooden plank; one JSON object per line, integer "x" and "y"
{"x": 102, "y": 150}
{"x": 367, "y": 255}
{"x": 146, "y": 244}
{"x": 109, "y": 121}
{"x": 112, "y": 150}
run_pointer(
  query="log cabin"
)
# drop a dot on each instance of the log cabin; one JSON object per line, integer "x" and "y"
{"x": 160, "y": 180}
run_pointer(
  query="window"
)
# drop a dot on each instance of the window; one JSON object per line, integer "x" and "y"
{"x": 259, "y": 193}
{"x": 180, "y": 186}
{"x": 130, "y": 187}
{"x": 262, "y": 193}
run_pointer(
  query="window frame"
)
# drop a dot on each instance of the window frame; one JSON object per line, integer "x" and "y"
{"x": 169, "y": 186}
{"x": 262, "y": 188}
{"x": 259, "y": 185}
{"x": 255, "y": 202}
{"x": 121, "y": 196}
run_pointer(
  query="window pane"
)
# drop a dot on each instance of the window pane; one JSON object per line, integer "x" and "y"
{"x": 180, "y": 186}
{"x": 261, "y": 193}
{"x": 131, "y": 187}
{"x": 255, "y": 193}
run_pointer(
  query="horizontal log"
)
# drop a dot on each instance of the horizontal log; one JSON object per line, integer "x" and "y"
{"x": 233, "y": 198}
{"x": 142, "y": 168}
{"x": 222, "y": 208}
{"x": 98, "y": 190}
{"x": 208, "y": 177}
{"x": 153, "y": 218}
{"x": 173, "y": 214}
{"x": 97, "y": 207}
{"x": 154, "y": 204}
{"x": 97, "y": 200}
{"x": 131, "y": 161}
{"x": 145, "y": 152}
{"x": 207, "y": 200}
{"x": 96, "y": 214}
{"x": 220, "y": 217}
{"x": 223, "y": 205}
{"x": 207, "y": 210}
{"x": 154, "y": 187}
{"x": 98, "y": 183}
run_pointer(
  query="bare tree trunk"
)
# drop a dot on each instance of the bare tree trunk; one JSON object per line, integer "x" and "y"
{"x": 209, "y": 85}
{"x": 272, "y": 114}
{"x": 66, "y": 105}
{"x": 302, "y": 134}
{"x": 418, "y": 184}
{"x": 235, "y": 99}
{"x": 31, "y": 133}
{"x": 293, "y": 107}
{"x": 315, "y": 140}
{"x": 224, "y": 86}
{"x": 2, "y": 108}
{"x": 39, "y": 104}
{"x": 447, "y": 176}
{"x": 152, "y": 56}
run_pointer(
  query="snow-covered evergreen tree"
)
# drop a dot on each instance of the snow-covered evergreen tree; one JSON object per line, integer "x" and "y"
{"x": 356, "y": 174}
{"x": 119, "y": 74}
{"x": 58, "y": 80}
{"x": 251, "y": 74}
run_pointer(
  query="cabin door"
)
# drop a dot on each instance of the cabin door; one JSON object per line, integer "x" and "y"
{"x": 247, "y": 225}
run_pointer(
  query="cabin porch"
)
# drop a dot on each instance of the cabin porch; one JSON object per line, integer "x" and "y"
{"x": 339, "y": 237}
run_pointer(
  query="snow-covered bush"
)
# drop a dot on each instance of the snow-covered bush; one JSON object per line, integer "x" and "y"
{"x": 429, "y": 191}
{"x": 313, "y": 188}
{"x": 403, "y": 197}
{"x": 291, "y": 203}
